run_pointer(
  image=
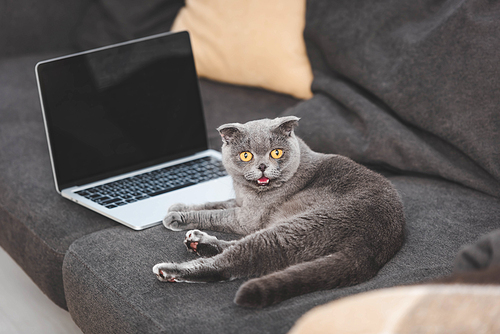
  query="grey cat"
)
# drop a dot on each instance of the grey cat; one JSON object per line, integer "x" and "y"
{"x": 310, "y": 221}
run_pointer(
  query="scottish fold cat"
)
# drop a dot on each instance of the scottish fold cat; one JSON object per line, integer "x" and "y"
{"x": 308, "y": 221}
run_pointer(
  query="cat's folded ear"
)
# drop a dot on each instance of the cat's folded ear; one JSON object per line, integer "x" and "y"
{"x": 286, "y": 125}
{"x": 229, "y": 132}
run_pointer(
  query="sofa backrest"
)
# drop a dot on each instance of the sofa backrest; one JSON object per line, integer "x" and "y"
{"x": 32, "y": 26}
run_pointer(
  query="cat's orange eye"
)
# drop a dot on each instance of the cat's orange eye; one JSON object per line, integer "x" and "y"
{"x": 246, "y": 156}
{"x": 277, "y": 153}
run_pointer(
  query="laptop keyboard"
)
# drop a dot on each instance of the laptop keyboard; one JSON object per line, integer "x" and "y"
{"x": 139, "y": 187}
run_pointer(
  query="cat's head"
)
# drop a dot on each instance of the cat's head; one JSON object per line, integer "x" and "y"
{"x": 261, "y": 154}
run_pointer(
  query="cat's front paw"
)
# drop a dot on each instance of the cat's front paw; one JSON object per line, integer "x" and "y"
{"x": 201, "y": 243}
{"x": 173, "y": 221}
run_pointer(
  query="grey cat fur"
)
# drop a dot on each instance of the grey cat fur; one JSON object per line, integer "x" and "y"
{"x": 323, "y": 221}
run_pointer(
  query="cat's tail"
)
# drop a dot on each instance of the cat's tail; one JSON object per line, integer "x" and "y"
{"x": 328, "y": 272}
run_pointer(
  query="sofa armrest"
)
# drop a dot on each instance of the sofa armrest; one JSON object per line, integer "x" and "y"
{"x": 31, "y": 26}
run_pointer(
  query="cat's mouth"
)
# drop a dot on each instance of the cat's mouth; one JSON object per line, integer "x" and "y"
{"x": 263, "y": 181}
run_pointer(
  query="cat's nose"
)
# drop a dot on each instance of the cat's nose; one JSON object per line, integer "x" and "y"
{"x": 262, "y": 167}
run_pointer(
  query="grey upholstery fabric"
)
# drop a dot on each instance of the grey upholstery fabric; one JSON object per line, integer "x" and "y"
{"x": 227, "y": 103}
{"x": 411, "y": 85}
{"x": 110, "y": 286}
{"x": 481, "y": 255}
{"x": 111, "y": 21}
{"x": 31, "y": 26}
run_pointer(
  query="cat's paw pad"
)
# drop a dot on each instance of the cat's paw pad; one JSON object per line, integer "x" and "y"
{"x": 178, "y": 207}
{"x": 173, "y": 221}
{"x": 165, "y": 272}
{"x": 201, "y": 243}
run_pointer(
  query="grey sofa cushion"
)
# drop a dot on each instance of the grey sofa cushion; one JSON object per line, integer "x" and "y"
{"x": 223, "y": 103}
{"x": 110, "y": 286}
{"x": 111, "y": 21}
{"x": 32, "y": 27}
{"x": 480, "y": 256}
{"x": 407, "y": 84}
{"x": 37, "y": 224}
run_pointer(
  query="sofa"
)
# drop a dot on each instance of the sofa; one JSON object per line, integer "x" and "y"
{"x": 407, "y": 88}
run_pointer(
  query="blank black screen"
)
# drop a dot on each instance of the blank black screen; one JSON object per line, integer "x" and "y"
{"x": 117, "y": 109}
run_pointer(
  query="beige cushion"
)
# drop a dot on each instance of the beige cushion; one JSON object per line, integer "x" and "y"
{"x": 253, "y": 42}
{"x": 413, "y": 309}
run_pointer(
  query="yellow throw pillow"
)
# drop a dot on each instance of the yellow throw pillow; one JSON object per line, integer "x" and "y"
{"x": 250, "y": 42}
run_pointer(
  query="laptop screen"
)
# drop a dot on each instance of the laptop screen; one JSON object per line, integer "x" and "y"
{"x": 121, "y": 108}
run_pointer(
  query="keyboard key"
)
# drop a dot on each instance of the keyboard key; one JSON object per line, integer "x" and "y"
{"x": 109, "y": 201}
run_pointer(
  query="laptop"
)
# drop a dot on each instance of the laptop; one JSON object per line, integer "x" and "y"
{"x": 126, "y": 130}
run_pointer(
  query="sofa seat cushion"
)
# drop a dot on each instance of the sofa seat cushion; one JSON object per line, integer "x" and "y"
{"x": 110, "y": 286}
